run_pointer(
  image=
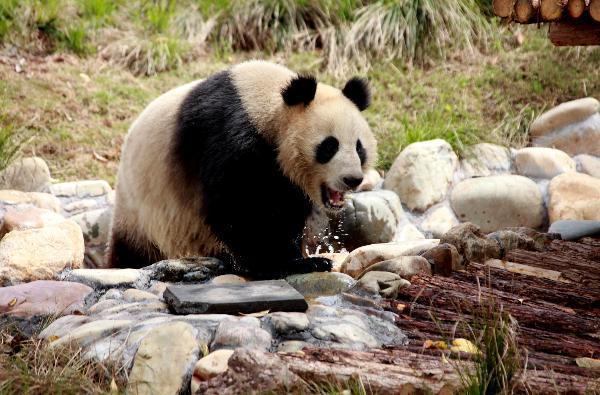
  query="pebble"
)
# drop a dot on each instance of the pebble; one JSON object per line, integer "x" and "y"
{"x": 574, "y": 196}
{"x": 422, "y": 173}
{"x": 212, "y": 365}
{"x": 361, "y": 258}
{"x": 541, "y": 162}
{"x": 498, "y": 202}
{"x": 27, "y": 175}
{"x": 40, "y": 254}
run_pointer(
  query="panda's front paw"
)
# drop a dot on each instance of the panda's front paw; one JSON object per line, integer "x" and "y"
{"x": 312, "y": 264}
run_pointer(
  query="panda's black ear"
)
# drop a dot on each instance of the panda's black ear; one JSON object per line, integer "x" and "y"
{"x": 301, "y": 89}
{"x": 357, "y": 90}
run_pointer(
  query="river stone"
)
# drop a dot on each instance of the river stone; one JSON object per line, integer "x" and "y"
{"x": 104, "y": 278}
{"x": 185, "y": 270}
{"x": 444, "y": 259}
{"x": 40, "y": 254}
{"x": 212, "y": 365}
{"x": 162, "y": 365}
{"x": 136, "y": 295}
{"x": 363, "y": 257}
{"x": 404, "y": 266}
{"x": 37, "y": 199}
{"x": 438, "y": 221}
{"x": 588, "y": 164}
{"x": 27, "y": 175}
{"x": 45, "y": 298}
{"x": 578, "y": 138}
{"x": 372, "y": 180}
{"x": 497, "y": 202}
{"x": 250, "y": 297}
{"x": 485, "y": 159}
{"x": 245, "y": 332}
{"x": 422, "y": 173}
{"x": 28, "y": 217}
{"x": 345, "y": 333}
{"x": 385, "y": 284}
{"x": 564, "y": 114}
{"x": 408, "y": 232}
{"x": 95, "y": 225}
{"x": 541, "y": 162}
{"x": 574, "y": 196}
{"x": 228, "y": 279}
{"x": 284, "y": 322}
{"x": 312, "y": 285}
{"x": 90, "y": 332}
{"x": 369, "y": 218}
{"x": 80, "y": 189}
{"x": 573, "y": 230}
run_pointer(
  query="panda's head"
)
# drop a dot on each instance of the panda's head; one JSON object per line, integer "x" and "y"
{"x": 325, "y": 144}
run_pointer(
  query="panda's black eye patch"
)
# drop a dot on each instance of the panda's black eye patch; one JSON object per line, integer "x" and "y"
{"x": 362, "y": 154}
{"x": 327, "y": 149}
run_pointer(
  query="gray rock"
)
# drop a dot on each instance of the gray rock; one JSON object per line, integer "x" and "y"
{"x": 573, "y": 230}
{"x": 588, "y": 164}
{"x": 276, "y": 295}
{"x": 185, "y": 270}
{"x": 291, "y": 346}
{"x": 95, "y": 225}
{"x": 542, "y": 162}
{"x": 404, "y": 266}
{"x": 385, "y": 284}
{"x": 80, "y": 189}
{"x": 104, "y": 278}
{"x": 27, "y": 175}
{"x": 315, "y": 284}
{"x": 245, "y": 332}
{"x": 485, "y": 159}
{"x": 347, "y": 333}
{"x": 284, "y": 322}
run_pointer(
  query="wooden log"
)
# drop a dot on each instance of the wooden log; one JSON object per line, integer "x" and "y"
{"x": 551, "y": 10}
{"x": 524, "y": 11}
{"x": 569, "y": 33}
{"x": 502, "y": 8}
{"x": 576, "y": 8}
{"x": 595, "y": 10}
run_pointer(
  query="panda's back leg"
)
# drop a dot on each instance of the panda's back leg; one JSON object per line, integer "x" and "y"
{"x": 127, "y": 252}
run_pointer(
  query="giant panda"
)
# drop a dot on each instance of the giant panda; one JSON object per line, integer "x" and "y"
{"x": 231, "y": 166}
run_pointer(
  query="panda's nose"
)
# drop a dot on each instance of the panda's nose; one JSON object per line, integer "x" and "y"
{"x": 353, "y": 182}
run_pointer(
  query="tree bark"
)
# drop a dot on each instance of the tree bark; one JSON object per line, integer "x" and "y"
{"x": 503, "y": 8}
{"x": 569, "y": 33}
{"x": 551, "y": 10}
{"x": 524, "y": 11}
{"x": 576, "y": 8}
{"x": 595, "y": 10}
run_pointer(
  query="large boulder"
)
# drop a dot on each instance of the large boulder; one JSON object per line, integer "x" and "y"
{"x": 27, "y": 175}
{"x": 497, "y": 202}
{"x": 486, "y": 159}
{"x": 28, "y": 217}
{"x": 574, "y": 196}
{"x": 40, "y": 254}
{"x": 422, "y": 173}
{"x": 541, "y": 162}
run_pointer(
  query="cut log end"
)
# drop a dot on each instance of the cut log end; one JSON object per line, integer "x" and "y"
{"x": 502, "y": 8}
{"x": 595, "y": 10}
{"x": 576, "y": 8}
{"x": 524, "y": 11}
{"x": 551, "y": 10}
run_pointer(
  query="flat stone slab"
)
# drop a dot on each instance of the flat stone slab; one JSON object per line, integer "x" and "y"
{"x": 250, "y": 297}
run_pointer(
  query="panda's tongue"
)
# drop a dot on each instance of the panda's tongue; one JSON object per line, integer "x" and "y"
{"x": 336, "y": 197}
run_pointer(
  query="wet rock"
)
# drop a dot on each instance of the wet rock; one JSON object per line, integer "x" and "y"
{"x": 422, "y": 173}
{"x": 588, "y": 164}
{"x": 43, "y": 298}
{"x": 564, "y": 114}
{"x": 574, "y": 196}
{"x": 444, "y": 259}
{"x": 63, "y": 326}
{"x": 498, "y": 202}
{"x": 87, "y": 333}
{"x": 486, "y": 159}
{"x": 185, "y": 270}
{"x": 245, "y": 332}
{"x": 104, "y": 305}
{"x": 384, "y": 284}
{"x": 228, "y": 279}
{"x": 368, "y": 218}
{"x": 404, "y": 266}
{"x": 285, "y": 323}
{"x": 337, "y": 258}
{"x": 40, "y": 254}
{"x": 95, "y": 225}
{"x": 105, "y": 278}
{"x": 541, "y": 162}
{"x": 156, "y": 371}
{"x": 274, "y": 295}
{"x": 347, "y": 333}
{"x": 136, "y": 295}
{"x": 37, "y": 199}
{"x": 27, "y": 175}
{"x": 573, "y": 230}
{"x": 438, "y": 221}
{"x": 311, "y": 285}
{"x": 577, "y": 138}
{"x": 80, "y": 189}
{"x": 361, "y": 258}
{"x": 408, "y": 232}
{"x": 290, "y": 346}
{"x": 158, "y": 288}
{"x": 471, "y": 243}
{"x": 372, "y": 180}
{"x": 28, "y": 217}
{"x": 212, "y": 365}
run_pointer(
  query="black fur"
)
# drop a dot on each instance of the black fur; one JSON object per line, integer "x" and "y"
{"x": 249, "y": 204}
{"x": 301, "y": 89}
{"x": 327, "y": 149}
{"x": 362, "y": 153}
{"x": 125, "y": 254}
{"x": 357, "y": 90}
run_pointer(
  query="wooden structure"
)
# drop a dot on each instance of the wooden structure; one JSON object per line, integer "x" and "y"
{"x": 572, "y": 22}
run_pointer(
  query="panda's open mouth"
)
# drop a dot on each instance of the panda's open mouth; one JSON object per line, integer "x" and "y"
{"x": 332, "y": 199}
